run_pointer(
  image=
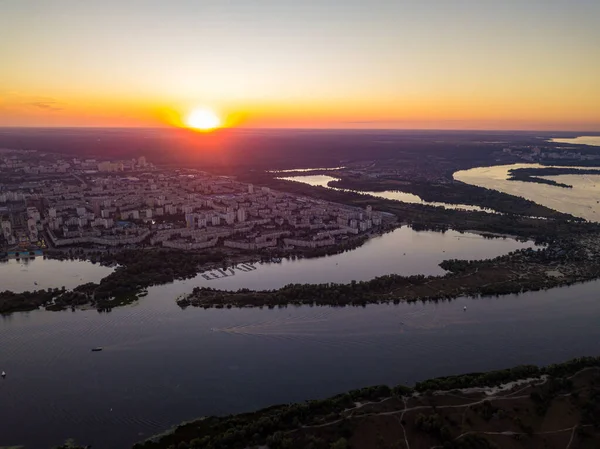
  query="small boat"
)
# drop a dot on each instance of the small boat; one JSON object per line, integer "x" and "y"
{"x": 35, "y": 283}
{"x": 3, "y": 374}
{"x": 99, "y": 348}
{"x": 465, "y": 308}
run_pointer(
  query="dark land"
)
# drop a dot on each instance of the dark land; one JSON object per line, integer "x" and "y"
{"x": 556, "y": 406}
{"x": 263, "y": 149}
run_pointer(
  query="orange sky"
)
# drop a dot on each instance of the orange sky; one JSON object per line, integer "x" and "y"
{"x": 324, "y": 64}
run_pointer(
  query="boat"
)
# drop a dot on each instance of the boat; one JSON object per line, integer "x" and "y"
{"x": 465, "y": 308}
{"x": 3, "y": 374}
{"x": 99, "y": 348}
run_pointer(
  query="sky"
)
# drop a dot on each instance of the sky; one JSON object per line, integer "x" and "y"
{"x": 433, "y": 64}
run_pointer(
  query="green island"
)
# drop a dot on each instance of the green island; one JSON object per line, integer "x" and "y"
{"x": 556, "y": 406}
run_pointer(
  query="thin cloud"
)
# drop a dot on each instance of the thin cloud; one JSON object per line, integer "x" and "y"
{"x": 14, "y": 100}
{"x": 48, "y": 105}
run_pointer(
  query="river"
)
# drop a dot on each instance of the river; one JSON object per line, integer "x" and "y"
{"x": 323, "y": 181}
{"x": 581, "y": 140}
{"x": 583, "y": 200}
{"x": 162, "y": 364}
{"x": 402, "y": 251}
{"x": 37, "y": 273}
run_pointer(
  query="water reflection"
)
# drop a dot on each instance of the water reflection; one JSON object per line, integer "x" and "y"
{"x": 39, "y": 273}
{"x": 323, "y": 180}
{"x": 402, "y": 251}
{"x": 581, "y": 140}
{"x": 581, "y": 201}
{"x": 302, "y": 170}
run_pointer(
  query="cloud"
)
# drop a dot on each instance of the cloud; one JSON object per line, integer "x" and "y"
{"x": 48, "y": 105}
{"x": 14, "y": 100}
{"x": 366, "y": 122}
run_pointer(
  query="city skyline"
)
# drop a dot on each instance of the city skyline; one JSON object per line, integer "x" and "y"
{"x": 397, "y": 65}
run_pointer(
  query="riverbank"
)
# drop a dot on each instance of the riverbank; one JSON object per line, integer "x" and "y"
{"x": 560, "y": 264}
{"x": 538, "y": 174}
{"x": 453, "y": 192}
{"x": 556, "y": 404}
{"x": 579, "y": 200}
{"x": 136, "y": 270}
{"x": 423, "y": 217}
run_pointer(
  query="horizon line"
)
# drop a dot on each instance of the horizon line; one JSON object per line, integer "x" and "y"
{"x": 24, "y": 127}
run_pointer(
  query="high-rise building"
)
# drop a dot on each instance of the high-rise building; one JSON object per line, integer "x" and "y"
{"x": 241, "y": 215}
{"x": 189, "y": 220}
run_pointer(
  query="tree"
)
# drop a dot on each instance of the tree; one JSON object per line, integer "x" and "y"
{"x": 342, "y": 443}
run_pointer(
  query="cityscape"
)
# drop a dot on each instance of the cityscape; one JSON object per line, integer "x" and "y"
{"x": 283, "y": 224}
{"x": 133, "y": 204}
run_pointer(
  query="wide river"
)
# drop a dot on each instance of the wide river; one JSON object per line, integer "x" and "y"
{"x": 583, "y": 200}
{"x": 162, "y": 364}
{"x": 581, "y": 140}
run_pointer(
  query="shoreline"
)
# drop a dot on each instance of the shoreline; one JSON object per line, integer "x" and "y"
{"x": 323, "y": 422}
{"x": 556, "y": 265}
{"x": 463, "y": 278}
{"x": 125, "y": 263}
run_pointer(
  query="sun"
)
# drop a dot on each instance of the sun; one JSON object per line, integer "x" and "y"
{"x": 203, "y": 120}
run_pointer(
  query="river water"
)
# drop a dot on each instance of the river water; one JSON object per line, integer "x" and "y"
{"x": 162, "y": 365}
{"x": 36, "y": 274}
{"x": 581, "y": 140}
{"x": 323, "y": 181}
{"x": 583, "y": 200}
{"x": 401, "y": 251}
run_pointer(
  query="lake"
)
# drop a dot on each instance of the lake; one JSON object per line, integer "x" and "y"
{"x": 323, "y": 181}
{"x": 162, "y": 365}
{"x": 581, "y": 201}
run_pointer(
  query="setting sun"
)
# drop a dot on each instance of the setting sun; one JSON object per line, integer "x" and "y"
{"x": 203, "y": 120}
